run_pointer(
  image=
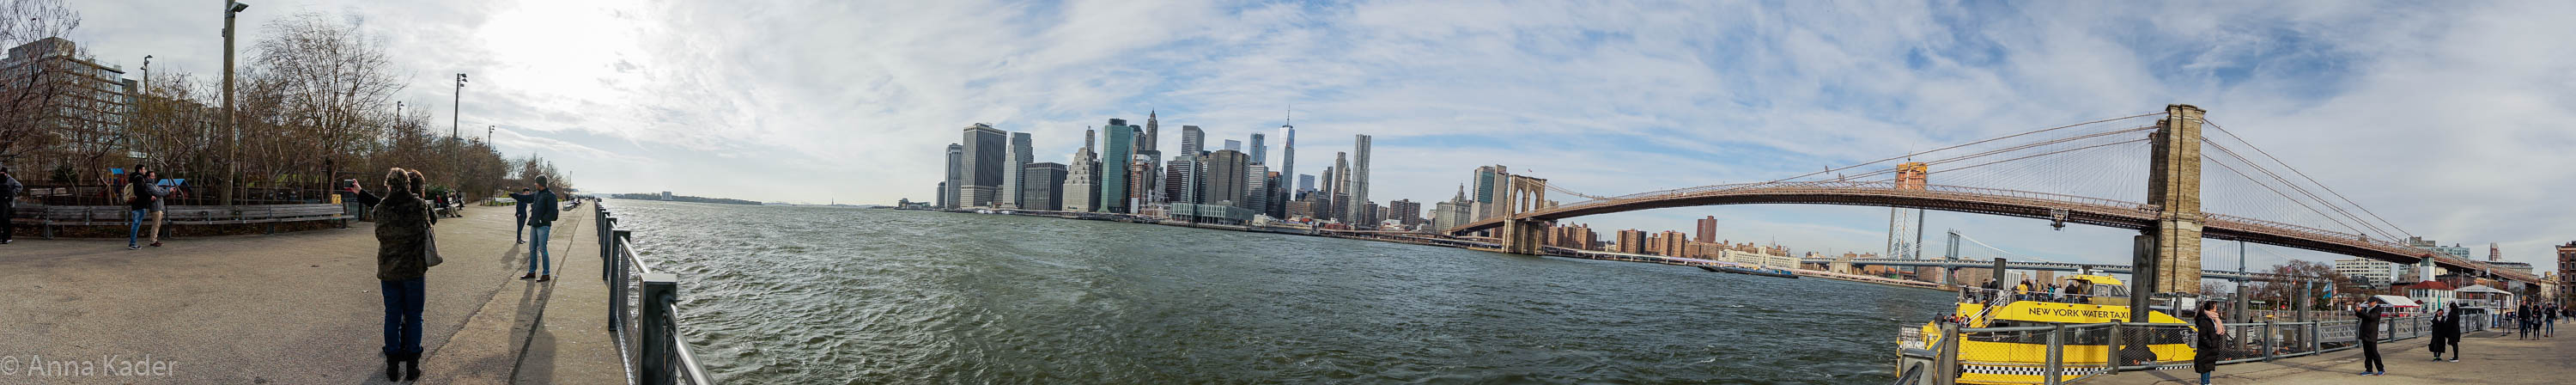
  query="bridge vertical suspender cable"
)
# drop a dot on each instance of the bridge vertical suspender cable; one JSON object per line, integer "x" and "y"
{"x": 2304, "y": 175}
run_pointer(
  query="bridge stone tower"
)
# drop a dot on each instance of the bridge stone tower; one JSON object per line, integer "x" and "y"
{"x": 1522, "y": 194}
{"x": 2173, "y": 186}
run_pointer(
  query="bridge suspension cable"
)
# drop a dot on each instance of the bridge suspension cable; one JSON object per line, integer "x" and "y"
{"x": 2302, "y": 175}
{"x": 1831, "y": 170}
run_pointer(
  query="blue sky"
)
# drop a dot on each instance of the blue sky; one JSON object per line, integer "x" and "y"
{"x": 2449, "y": 120}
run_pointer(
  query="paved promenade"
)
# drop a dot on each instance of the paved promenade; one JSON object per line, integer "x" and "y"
{"x": 2491, "y": 358}
{"x": 301, "y": 308}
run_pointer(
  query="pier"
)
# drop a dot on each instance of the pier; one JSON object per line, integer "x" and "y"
{"x": 303, "y": 308}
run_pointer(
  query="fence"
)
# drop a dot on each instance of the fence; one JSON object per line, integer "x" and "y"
{"x": 644, "y": 311}
{"x": 1941, "y": 363}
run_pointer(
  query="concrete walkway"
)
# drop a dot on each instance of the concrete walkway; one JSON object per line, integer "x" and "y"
{"x": 300, "y": 308}
{"x": 2491, "y": 358}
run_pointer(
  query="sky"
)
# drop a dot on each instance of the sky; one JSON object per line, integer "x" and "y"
{"x": 2451, "y": 120}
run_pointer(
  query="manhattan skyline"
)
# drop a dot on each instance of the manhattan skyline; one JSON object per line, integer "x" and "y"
{"x": 1725, "y": 92}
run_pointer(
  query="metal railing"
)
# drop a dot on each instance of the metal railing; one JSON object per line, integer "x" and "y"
{"x": 2243, "y": 342}
{"x": 644, "y": 311}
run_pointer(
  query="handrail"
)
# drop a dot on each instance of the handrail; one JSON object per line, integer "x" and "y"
{"x": 661, "y": 355}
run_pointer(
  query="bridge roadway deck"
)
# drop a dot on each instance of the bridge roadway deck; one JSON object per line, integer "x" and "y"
{"x": 303, "y": 308}
{"x": 2068, "y": 208}
{"x": 2489, "y": 358}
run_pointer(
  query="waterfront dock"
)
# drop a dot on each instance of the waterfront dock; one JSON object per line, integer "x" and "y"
{"x": 2491, "y": 358}
{"x": 303, "y": 308}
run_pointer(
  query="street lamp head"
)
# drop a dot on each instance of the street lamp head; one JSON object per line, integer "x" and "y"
{"x": 238, "y": 7}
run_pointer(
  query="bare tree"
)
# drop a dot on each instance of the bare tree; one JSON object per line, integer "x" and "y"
{"x": 28, "y": 89}
{"x": 318, "y": 90}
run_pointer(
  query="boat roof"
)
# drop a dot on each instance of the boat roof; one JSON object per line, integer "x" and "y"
{"x": 2096, "y": 279}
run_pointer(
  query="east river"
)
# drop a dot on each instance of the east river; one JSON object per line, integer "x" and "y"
{"x": 812, "y": 295}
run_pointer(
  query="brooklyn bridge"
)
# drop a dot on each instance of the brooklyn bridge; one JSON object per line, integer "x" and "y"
{"x": 2119, "y": 172}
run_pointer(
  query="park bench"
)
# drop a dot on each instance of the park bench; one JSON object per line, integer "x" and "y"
{"x": 52, "y": 216}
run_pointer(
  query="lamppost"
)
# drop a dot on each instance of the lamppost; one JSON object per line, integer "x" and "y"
{"x": 147, "y": 74}
{"x": 487, "y": 134}
{"x": 232, "y": 145}
{"x": 456, "y": 108}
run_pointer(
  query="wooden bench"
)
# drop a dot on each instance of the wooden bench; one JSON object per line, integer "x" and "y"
{"x": 49, "y": 217}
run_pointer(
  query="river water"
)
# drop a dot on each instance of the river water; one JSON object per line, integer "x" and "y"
{"x": 812, "y": 295}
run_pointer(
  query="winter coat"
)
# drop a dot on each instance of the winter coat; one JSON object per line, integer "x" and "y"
{"x": 9, "y": 189}
{"x": 546, "y": 209}
{"x": 524, "y": 200}
{"x": 2369, "y": 327}
{"x": 402, "y": 237}
{"x": 2211, "y": 344}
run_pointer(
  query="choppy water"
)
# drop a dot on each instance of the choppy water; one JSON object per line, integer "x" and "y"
{"x": 825, "y": 295}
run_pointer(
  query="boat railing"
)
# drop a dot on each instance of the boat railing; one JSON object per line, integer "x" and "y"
{"x": 644, "y": 311}
{"x": 1972, "y": 294}
{"x": 2244, "y": 342}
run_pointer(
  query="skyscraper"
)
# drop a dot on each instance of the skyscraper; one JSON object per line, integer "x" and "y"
{"x": 1153, "y": 140}
{"x": 1019, "y": 157}
{"x": 1226, "y": 177}
{"x": 1359, "y": 176}
{"x": 1288, "y": 158}
{"x": 1235, "y": 145}
{"x": 956, "y": 176}
{"x": 1117, "y": 143}
{"x": 1259, "y": 150}
{"x": 1305, "y": 183}
{"x": 1708, "y": 229}
{"x": 1256, "y": 187}
{"x": 1042, "y": 186}
{"x": 1340, "y": 187}
{"x": 1082, "y": 180}
{"x": 985, "y": 165}
{"x": 1193, "y": 142}
{"x": 1181, "y": 180}
{"x": 1488, "y": 178}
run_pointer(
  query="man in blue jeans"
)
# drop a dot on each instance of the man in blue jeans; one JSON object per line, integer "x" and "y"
{"x": 541, "y": 223}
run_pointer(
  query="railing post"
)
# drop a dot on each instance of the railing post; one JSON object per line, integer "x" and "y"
{"x": 2269, "y": 329}
{"x": 2056, "y": 355}
{"x": 660, "y": 291}
{"x": 617, "y": 292}
{"x": 1945, "y": 361}
{"x": 2112, "y": 357}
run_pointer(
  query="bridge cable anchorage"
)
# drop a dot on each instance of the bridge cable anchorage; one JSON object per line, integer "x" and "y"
{"x": 1965, "y": 145}
{"x": 2295, "y": 187}
{"x": 2302, "y": 175}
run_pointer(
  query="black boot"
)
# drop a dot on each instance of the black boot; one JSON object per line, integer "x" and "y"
{"x": 414, "y": 361}
{"x": 393, "y": 367}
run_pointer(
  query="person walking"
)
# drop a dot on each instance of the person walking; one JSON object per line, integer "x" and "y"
{"x": 402, "y": 268}
{"x": 520, "y": 227}
{"x": 139, "y": 197}
{"x": 2368, "y": 312}
{"x": 9, "y": 189}
{"x": 2213, "y": 340}
{"x": 541, "y": 223}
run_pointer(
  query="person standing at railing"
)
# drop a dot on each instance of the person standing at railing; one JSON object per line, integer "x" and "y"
{"x": 9, "y": 188}
{"x": 541, "y": 223}
{"x": 2213, "y": 340}
{"x": 2367, "y": 311}
{"x": 402, "y": 267}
